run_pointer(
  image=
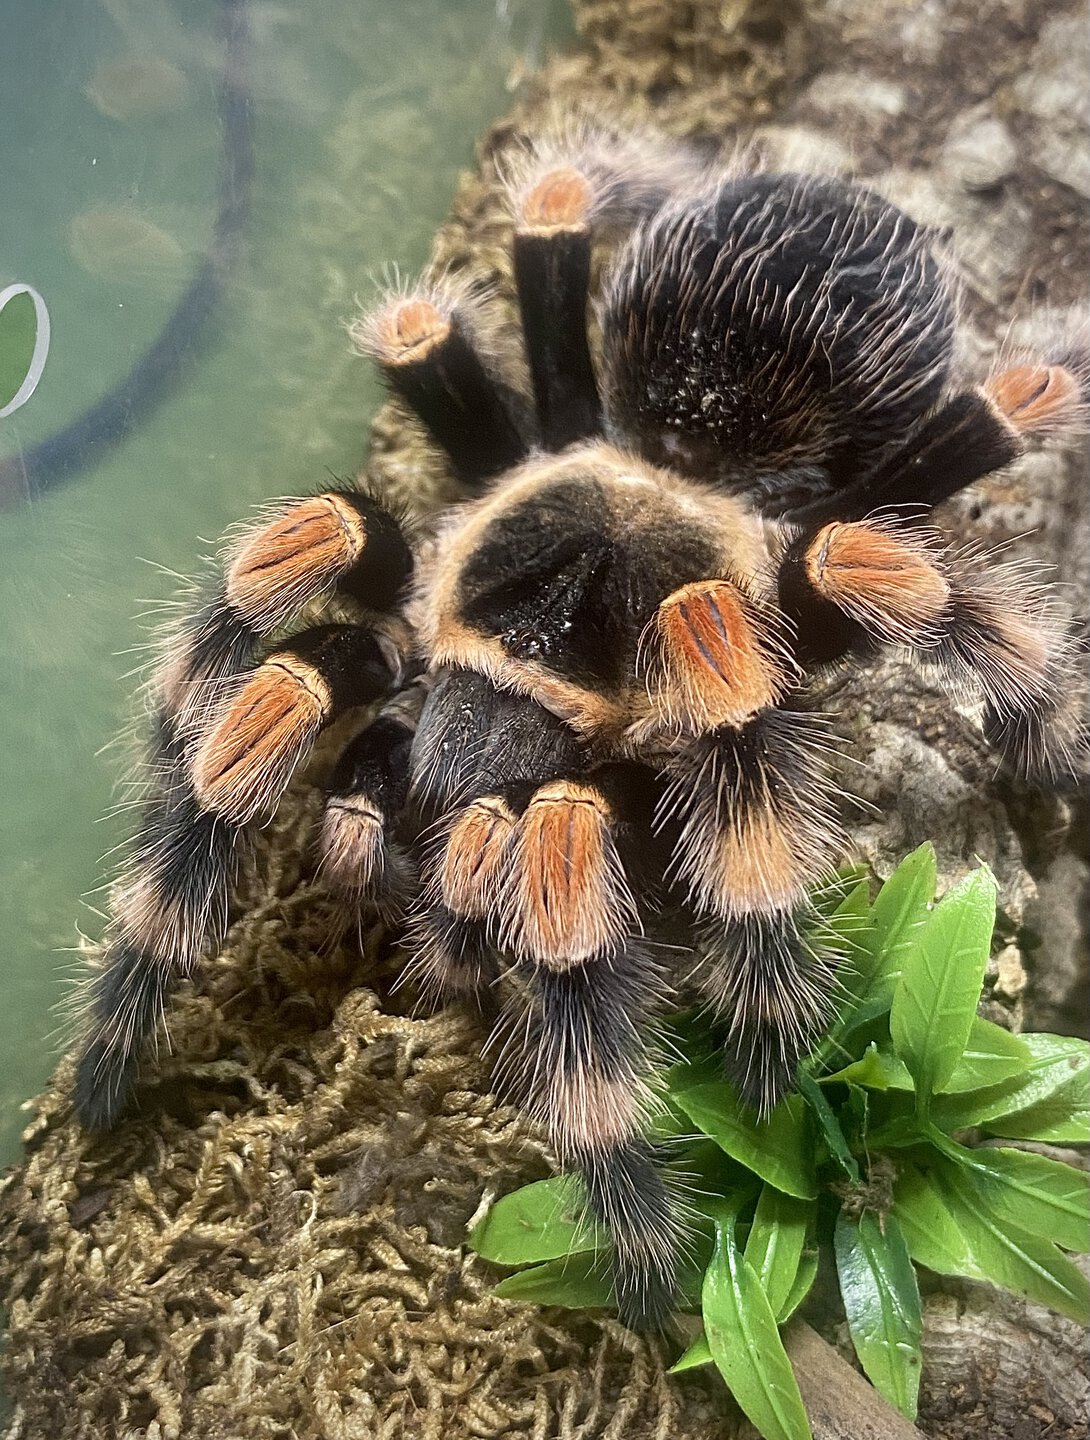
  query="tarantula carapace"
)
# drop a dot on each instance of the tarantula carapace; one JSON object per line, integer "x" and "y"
{"x": 594, "y": 669}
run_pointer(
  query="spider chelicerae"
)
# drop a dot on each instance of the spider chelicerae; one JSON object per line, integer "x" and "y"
{"x": 593, "y": 673}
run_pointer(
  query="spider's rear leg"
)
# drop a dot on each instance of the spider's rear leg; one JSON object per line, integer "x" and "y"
{"x": 209, "y": 772}
{"x": 751, "y": 802}
{"x": 854, "y": 585}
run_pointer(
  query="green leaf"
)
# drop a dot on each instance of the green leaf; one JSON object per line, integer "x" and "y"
{"x": 829, "y": 1125}
{"x": 745, "y": 1344}
{"x": 775, "y": 1241}
{"x": 997, "y": 1250}
{"x": 1046, "y": 1197}
{"x": 936, "y": 997}
{"x": 901, "y": 906}
{"x": 804, "y": 1283}
{"x": 18, "y": 334}
{"x": 991, "y": 1056}
{"x": 1049, "y": 1101}
{"x": 882, "y": 1303}
{"x": 542, "y": 1221}
{"x": 778, "y": 1149}
{"x": 580, "y": 1282}
{"x": 876, "y": 1069}
{"x": 932, "y": 1237}
{"x": 698, "y": 1353}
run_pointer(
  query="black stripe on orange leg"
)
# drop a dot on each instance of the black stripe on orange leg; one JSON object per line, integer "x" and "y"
{"x": 341, "y": 539}
{"x": 477, "y": 857}
{"x": 891, "y": 584}
{"x": 712, "y": 659}
{"x": 267, "y": 728}
{"x": 552, "y": 255}
{"x": 425, "y": 351}
{"x": 852, "y": 586}
{"x": 569, "y": 898}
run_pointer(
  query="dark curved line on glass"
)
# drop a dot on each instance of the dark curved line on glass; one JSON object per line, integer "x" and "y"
{"x": 113, "y": 417}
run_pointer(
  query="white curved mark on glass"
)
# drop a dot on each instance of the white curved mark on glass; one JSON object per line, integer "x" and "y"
{"x": 41, "y": 346}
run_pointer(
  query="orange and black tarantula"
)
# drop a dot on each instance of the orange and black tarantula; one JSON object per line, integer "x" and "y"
{"x": 593, "y": 672}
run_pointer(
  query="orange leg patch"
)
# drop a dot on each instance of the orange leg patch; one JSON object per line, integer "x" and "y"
{"x": 559, "y": 201}
{"x": 352, "y": 842}
{"x": 295, "y": 558}
{"x": 477, "y": 858}
{"x": 713, "y": 666}
{"x": 243, "y": 766}
{"x": 889, "y": 584}
{"x": 584, "y": 1111}
{"x": 570, "y": 896}
{"x": 407, "y": 331}
{"x": 760, "y": 864}
{"x": 1035, "y": 398}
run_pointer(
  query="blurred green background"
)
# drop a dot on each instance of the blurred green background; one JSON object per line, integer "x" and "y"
{"x": 363, "y": 112}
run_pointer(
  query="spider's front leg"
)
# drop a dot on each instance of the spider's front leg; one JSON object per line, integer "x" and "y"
{"x": 230, "y": 729}
{"x": 752, "y": 805}
{"x": 851, "y": 586}
{"x": 527, "y": 869}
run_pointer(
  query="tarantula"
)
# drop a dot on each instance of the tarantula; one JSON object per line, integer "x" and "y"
{"x": 595, "y": 667}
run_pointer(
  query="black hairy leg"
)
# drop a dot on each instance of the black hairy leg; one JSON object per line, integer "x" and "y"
{"x": 972, "y": 434}
{"x": 754, "y": 810}
{"x": 365, "y": 856}
{"x": 226, "y": 739}
{"x": 992, "y": 627}
{"x": 426, "y": 344}
{"x": 524, "y": 872}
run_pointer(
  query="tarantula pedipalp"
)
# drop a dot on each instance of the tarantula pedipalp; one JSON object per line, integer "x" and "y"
{"x": 611, "y": 641}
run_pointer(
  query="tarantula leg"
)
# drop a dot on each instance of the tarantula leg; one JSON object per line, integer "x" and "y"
{"x": 423, "y": 343}
{"x": 263, "y": 732}
{"x": 755, "y": 807}
{"x": 576, "y": 1052}
{"x": 853, "y": 585}
{"x": 477, "y": 756}
{"x": 360, "y": 853}
{"x": 856, "y": 585}
{"x": 569, "y": 900}
{"x": 183, "y": 861}
{"x": 552, "y": 254}
{"x": 973, "y": 434}
{"x": 711, "y": 656}
{"x": 342, "y": 540}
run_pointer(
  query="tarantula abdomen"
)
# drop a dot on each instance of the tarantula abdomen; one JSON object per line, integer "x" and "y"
{"x": 780, "y": 323}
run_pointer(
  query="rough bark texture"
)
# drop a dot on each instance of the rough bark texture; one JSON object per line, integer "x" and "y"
{"x": 272, "y": 1248}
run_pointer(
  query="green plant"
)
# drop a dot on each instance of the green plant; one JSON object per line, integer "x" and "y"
{"x": 868, "y": 1163}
